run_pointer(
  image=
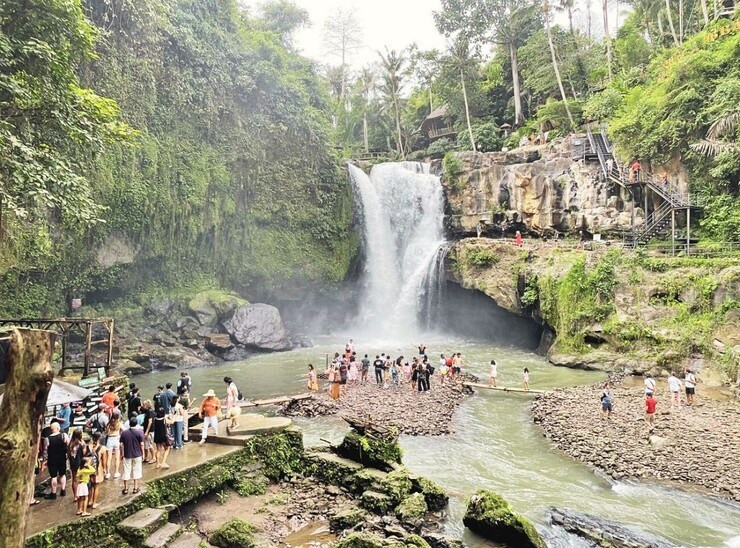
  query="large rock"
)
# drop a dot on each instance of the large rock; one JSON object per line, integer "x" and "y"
{"x": 209, "y": 306}
{"x": 605, "y": 533}
{"x": 259, "y": 326}
{"x": 490, "y": 516}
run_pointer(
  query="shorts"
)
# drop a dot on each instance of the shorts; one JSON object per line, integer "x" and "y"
{"x": 690, "y": 391}
{"x": 57, "y": 468}
{"x": 456, "y": 370}
{"x": 132, "y": 469}
{"x": 606, "y": 406}
{"x": 149, "y": 441}
{"x": 82, "y": 490}
{"x": 113, "y": 442}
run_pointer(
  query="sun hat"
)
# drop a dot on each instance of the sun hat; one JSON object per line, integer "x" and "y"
{"x": 210, "y": 394}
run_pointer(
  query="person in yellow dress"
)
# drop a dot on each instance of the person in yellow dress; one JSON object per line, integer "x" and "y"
{"x": 313, "y": 383}
{"x": 83, "y": 476}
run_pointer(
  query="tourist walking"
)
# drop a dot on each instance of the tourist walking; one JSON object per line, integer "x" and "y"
{"x": 178, "y": 417}
{"x": 209, "y": 410}
{"x": 56, "y": 460}
{"x": 443, "y": 369}
{"x": 343, "y": 371}
{"x": 689, "y": 382}
{"x": 74, "y": 456}
{"x": 649, "y": 385}
{"x": 232, "y": 394}
{"x": 650, "y": 405}
{"x": 674, "y": 385}
{"x": 365, "y": 368}
{"x": 113, "y": 443}
{"x": 493, "y": 374}
{"x": 394, "y": 374}
{"x": 101, "y": 462}
{"x": 335, "y": 383}
{"x": 313, "y": 383}
{"x": 132, "y": 451}
{"x": 525, "y": 378}
{"x": 161, "y": 438}
{"x": 81, "y": 478}
{"x": 606, "y": 402}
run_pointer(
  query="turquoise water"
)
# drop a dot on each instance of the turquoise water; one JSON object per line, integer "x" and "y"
{"x": 495, "y": 445}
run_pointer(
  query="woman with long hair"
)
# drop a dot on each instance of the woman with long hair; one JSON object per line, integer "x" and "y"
{"x": 313, "y": 384}
{"x": 161, "y": 422}
{"x": 335, "y": 379}
{"x": 113, "y": 444}
{"x": 74, "y": 454}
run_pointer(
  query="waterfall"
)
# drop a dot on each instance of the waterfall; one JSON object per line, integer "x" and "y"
{"x": 402, "y": 207}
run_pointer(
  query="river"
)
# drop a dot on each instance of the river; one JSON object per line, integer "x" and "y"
{"x": 495, "y": 445}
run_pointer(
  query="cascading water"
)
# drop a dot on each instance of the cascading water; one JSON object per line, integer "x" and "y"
{"x": 402, "y": 216}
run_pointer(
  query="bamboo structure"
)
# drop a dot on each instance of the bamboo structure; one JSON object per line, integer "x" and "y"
{"x": 502, "y": 388}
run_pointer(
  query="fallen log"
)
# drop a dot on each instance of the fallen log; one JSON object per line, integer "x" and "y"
{"x": 503, "y": 388}
{"x": 27, "y": 386}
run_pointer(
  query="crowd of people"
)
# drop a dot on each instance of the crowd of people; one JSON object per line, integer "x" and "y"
{"x": 119, "y": 438}
{"x": 674, "y": 385}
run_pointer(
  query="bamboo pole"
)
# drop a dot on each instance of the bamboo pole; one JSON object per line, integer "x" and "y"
{"x": 502, "y": 388}
{"x": 21, "y": 415}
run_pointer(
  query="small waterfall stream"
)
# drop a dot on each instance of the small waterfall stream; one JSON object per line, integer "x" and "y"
{"x": 402, "y": 208}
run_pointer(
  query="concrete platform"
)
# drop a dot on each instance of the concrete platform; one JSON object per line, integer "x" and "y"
{"x": 249, "y": 425}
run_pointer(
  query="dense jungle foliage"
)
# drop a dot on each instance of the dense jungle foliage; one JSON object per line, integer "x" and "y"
{"x": 155, "y": 144}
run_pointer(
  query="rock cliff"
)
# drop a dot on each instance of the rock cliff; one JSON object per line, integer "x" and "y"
{"x": 538, "y": 189}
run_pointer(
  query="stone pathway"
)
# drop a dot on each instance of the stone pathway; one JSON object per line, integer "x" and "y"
{"x": 696, "y": 445}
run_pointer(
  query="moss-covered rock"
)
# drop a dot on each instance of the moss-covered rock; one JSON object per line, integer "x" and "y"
{"x": 347, "y": 517}
{"x": 434, "y": 495}
{"x": 397, "y": 484}
{"x": 412, "y": 508}
{"x": 371, "y": 451}
{"x": 235, "y": 533}
{"x": 489, "y": 515}
{"x": 376, "y": 502}
{"x": 334, "y": 469}
{"x": 415, "y": 540}
{"x": 360, "y": 540}
{"x": 248, "y": 486}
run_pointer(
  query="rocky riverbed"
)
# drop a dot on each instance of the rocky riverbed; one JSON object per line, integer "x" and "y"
{"x": 690, "y": 446}
{"x": 411, "y": 412}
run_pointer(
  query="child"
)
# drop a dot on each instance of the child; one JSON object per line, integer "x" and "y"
{"x": 394, "y": 374}
{"x": 494, "y": 374}
{"x": 526, "y": 379}
{"x": 233, "y": 416}
{"x": 650, "y": 404}
{"x": 83, "y": 476}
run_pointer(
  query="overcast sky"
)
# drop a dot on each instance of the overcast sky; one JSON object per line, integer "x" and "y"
{"x": 396, "y": 24}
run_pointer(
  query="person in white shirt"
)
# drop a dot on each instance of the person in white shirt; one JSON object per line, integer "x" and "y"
{"x": 494, "y": 374}
{"x": 649, "y": 385}
{"x": 674, "y": 385}
{"x": 689, "y": 382}
{"x": 232, "y": 394}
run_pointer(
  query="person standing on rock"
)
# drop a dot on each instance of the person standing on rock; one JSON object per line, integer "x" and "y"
{"x": 422, "y": 377}
{"x": 313, "y": 383}
{"x": 421, "y": 347}
{"x": 378, "y": 364}
{"x": 352, "y": 374}
{"x": 606, "y": 402}
{"x": 443, "y": 370}
{"x": 674, "y": 385}
{"x": 689, "y": 382}
{"x": 365, "y": 368}
{"x": 458, "y": 365}
{"x": 650, "y": 405}
{"x": 493, "y": 374}
{"x": 518, "y": 239}
{"x": 343, "y": 371}
{"x": 649, "y": 385}
{"x": 209, "y": 410}
{"x": 335, "y": 378}
{"x": 184, "y": 386}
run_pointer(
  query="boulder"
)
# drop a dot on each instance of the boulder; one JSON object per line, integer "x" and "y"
{"x": 435, "y": 540}
{"x": 360, "y": 540}
{"x": 218, "y": 343}
{"x": 210, "y": 306}
{"x": 434, "y": 495}
{"x": 259, "y": 326}
{"x": 604, "y": 532}
{"x": 657, "y": 442}
{"x": 235, "y": 533}
{"x": 490, "y": 516}
{"x": 347, "y": 517}
{"x": 130, "y": 367}
{"x": 412, "y": 508}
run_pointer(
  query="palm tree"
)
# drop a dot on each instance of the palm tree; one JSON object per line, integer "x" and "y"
{"x": 567, "y": 6}
{"x": 607, "y": 37}
{"x": 367, "y": 84}
{"x": 555, "y": 67}
{"x": 393, "y": 64}
{"x": 460, "y": 56}
{"x": 724, "y": 126}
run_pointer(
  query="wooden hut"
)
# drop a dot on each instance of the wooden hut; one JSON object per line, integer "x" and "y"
{"x": 437, "y": 124}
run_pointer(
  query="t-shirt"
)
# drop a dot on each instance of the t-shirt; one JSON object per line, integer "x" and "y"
{"x": 365, "y": 363}
{"x": 494, "y": 370}
{"x": 64, "y": 414}
{"x": 649, "y": 385}
{"x": 109, "y": 398}
{"x": 166, "y": 400}
{"x": 148, "y": 418}
{"x": 650, "y": 404}
{"x": 133, "y": 405}
{"x": 378, "y": 364}
{"x": 183, "y": 385}
{"x": 178, "y": 414}
{"x": 99, "y": 421}
{"x": 674, "y": 384}
{"x": 690, "y": 380}
{"x": 131, "y": 441}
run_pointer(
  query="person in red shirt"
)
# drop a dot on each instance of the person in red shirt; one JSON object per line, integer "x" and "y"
{"x": 109, "y": 398}
{"x": 650, "y": 405}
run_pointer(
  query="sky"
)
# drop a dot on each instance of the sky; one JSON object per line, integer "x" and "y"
{"x": 396, "y": 24}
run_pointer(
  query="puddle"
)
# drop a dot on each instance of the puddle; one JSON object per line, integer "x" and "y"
{"x": 313, "y": 534}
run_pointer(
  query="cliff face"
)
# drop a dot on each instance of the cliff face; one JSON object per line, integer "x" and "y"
{"x": 615, "y": 310}
{"x": 540, "y": 189}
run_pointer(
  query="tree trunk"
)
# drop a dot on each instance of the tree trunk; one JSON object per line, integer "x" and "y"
{"x": 431, "y": 100}
{"x": 570, "y": 19}
{"x": 467, "y": 111}
{"x": 21, "y": 415}
{"x": 588, "y": 19}
{"x": 398, "y": 123}
{"x": 364, "y": 133}
{"x": 680, "y": 21}
{"x": 670, "y": 21}
{"x": 607, "y": 37}
{"x": 705, "y": 11}
{"x": 555, "y": 66}
{"x": 518, "y": 114}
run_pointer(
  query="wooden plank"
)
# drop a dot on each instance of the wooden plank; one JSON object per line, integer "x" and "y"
{"x": 258, "y": 403}
{"x": 503, "y": 388}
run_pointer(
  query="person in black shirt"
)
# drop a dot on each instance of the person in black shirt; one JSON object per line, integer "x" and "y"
{"x": 134, "y": 403}
{"x": 149, "y": 415}
{"x": 379, "y": 367}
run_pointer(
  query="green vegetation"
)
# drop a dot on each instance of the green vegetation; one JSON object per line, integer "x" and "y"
{"x": 412, "y": 508}
{"x": 480, "y": 257}
{"x": 235, "y": 533}
{"x": 489, "y": 515}
{"x": 371, "y": 451}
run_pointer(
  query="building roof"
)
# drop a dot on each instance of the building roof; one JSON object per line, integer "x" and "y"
{"x": 437, "y": 114}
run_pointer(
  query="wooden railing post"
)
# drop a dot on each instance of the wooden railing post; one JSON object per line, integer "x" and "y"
{"x": 21, "y": 414}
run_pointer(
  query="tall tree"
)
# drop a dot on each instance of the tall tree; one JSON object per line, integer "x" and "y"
{"x": 284, "y": 18}
{"x": 607, "y": 37}
{"x": 459, "y": 54}
{"x": 568, "y": 6}
{"x": 669, "y": 16}
{"x": 555, "y": 67}
{"x": 425, "y": 65}
{"x": 506, "y": 23}
{"x": 394, "y": 64}
{"x": 342, "y": 39}
{"x": 367, "y": 85}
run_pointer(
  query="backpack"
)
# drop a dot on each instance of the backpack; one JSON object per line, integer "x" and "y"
{"x": 239, "y": 395}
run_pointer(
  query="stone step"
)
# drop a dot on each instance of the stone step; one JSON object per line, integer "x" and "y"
{"x": 258, "y": 424}
{"x": 190, "y": 540}
{"x": 140, "y": 525}
{"x": 335, "y": 460}
{"x": 162, "y": 537}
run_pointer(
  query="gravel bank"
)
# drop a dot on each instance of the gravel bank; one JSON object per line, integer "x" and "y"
{"x": 696, "y": 446}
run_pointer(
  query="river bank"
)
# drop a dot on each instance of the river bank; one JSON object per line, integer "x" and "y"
{"x": 409, "y": 411}
{"x": 689, "y": 446}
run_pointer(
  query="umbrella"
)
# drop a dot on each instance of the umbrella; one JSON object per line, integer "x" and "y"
{"x": 64, "y": 392}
